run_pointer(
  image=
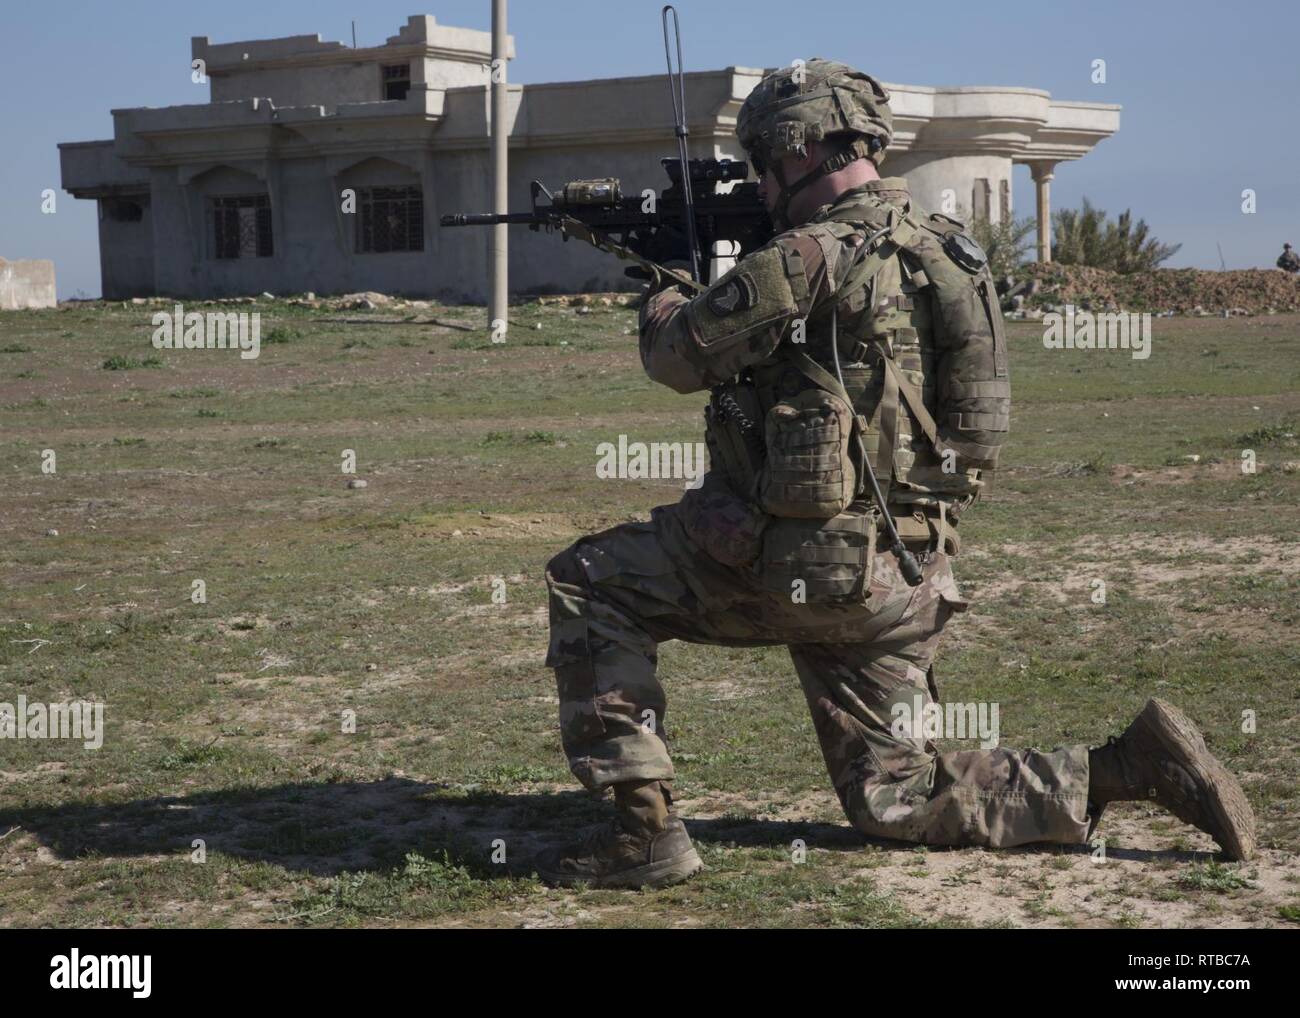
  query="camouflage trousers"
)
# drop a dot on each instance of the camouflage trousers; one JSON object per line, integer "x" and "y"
{"x": 616, "y": 595}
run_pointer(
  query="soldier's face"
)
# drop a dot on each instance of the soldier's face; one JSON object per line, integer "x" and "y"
{"x": 768, "y": 188}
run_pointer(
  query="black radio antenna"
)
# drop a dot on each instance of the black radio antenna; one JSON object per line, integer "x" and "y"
{"x": 678, "y": 93}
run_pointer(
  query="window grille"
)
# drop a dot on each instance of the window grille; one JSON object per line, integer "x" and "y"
{"x": 389, "y": 219}
{"x": 240, "y": 226}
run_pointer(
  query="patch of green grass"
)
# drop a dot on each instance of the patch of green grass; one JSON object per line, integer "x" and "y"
{"x": 512, "y": 774}
{"x": 188, "y": 755}
{"x": 280, "y": 334}
{"x": 1269, "y": 434}
{"x": 524, "y": 438}
{"x": 421, "y": 888}
{"x": 119, "y": 362}
{"x": 1214, "y": 876}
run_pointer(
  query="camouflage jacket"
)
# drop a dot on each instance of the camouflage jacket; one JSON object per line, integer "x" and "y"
{"x": 949, "y": 351}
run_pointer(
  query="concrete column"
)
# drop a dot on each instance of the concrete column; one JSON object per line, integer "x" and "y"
{"x": 498, "y": 282}
{"x": 1042, "y": 174}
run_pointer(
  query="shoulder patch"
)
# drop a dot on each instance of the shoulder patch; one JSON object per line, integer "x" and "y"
{"x": 754, "y": 295}
{"x": 965, "y": 252}
{"x": 737, "y": 294}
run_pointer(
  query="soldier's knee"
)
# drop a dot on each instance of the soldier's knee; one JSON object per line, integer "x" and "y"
{"x": 883, "y": 805}
{"x": 566, "y": 567}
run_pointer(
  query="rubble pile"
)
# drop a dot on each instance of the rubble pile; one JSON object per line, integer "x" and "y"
{"x": 367, "y": 301}
{"x": 370, "y": 301}
{"x": 574, "y": 300}
{"x": 1036, "y": 288}
{"x": 1031, "y": 291}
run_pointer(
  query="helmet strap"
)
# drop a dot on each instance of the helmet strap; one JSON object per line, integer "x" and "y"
{"x": 856, "y": 149}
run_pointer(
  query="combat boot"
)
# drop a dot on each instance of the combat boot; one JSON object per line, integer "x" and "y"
{"x": 645, "y": 845}
{"x": 1162, "y": 757}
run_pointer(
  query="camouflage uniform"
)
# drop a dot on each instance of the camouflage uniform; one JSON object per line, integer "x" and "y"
{"x": 690, "y": 573}
{"x": 1288, "y": 260}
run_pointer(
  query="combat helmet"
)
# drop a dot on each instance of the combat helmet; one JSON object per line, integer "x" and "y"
{"x": 817, "y": 100}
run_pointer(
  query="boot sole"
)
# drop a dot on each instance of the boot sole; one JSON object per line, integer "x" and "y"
{"x": 1224, "y": 794}
{"x": 663, "y": 873}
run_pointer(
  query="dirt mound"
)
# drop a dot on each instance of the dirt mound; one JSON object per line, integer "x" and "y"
{"x": 1182, "y": 291}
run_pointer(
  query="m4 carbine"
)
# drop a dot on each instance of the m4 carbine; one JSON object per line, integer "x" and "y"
{"x": 648, "y": 229}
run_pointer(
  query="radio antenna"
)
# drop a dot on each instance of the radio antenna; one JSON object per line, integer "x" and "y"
{"x": 678, "y": 93}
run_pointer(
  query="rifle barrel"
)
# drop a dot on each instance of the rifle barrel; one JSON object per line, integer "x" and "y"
{"x": 489, "y": 219}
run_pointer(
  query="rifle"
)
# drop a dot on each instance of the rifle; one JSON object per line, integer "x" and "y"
{"x": 649, "y": 230}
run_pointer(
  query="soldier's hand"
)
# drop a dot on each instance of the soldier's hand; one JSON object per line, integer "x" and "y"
{"x": 658, "y": 280}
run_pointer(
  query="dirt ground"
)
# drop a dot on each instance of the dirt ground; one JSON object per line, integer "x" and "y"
{"x": 223, "y": 716}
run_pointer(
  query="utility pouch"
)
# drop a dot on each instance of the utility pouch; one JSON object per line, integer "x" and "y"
{"x": 809, "y": 472}
{"x": 819, "y": 561}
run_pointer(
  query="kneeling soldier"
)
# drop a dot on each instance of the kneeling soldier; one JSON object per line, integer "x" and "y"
{"x": 867, "y": 336}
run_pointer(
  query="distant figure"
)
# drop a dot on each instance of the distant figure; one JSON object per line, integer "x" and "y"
{"x": 1288, "y": 260}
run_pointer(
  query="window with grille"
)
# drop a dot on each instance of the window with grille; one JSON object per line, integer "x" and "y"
{"x": 389, "y": 219}
{"x": 397, "y": 81}
{"x": 240, "y": 226}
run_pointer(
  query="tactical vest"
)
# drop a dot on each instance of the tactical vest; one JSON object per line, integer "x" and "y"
{"x": 922, "y": 352}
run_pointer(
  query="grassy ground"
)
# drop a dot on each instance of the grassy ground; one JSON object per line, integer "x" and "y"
{"x": 224, "y": 718}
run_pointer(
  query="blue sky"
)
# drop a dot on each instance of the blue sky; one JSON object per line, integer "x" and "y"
{"x": 1210, "y": 91}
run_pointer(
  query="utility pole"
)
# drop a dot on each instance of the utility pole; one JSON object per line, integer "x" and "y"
{"x": 498, "y": 285}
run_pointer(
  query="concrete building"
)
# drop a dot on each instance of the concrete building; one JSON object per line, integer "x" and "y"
{"x": 26, "y": 283}
{"x": 316, "y": 166}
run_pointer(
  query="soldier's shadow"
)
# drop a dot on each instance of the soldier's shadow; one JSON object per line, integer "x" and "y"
{"x": 326, "y": 829}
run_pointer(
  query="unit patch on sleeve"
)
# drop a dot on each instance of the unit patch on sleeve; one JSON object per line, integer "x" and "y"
{"x": 737, "y": 294}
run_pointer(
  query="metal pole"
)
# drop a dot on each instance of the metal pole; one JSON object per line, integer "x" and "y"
{"x": 498, "y": 286}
